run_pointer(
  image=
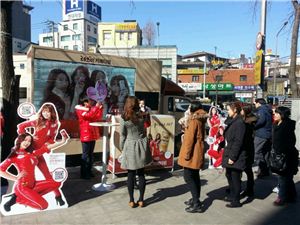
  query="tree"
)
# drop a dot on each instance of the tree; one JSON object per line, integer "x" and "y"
{"x": 294, "y": 45}
{"x": 149, "y": 33}
{"x": 10, "y": 84}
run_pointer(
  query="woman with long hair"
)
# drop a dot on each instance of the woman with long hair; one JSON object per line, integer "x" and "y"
{"x": 135, "y": 148}
{"x": 27, "y": 190}
{"x": 284, "y": 140}
{"x": 191, "y": 155}
{"x": 234, "y": 157}
{"x": 45, "y": 128}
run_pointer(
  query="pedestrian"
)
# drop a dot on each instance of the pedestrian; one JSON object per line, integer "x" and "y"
{"x": 45, "y": 126}
{"x": 135, "y": 147}
{"x": 263, "y": 134}
{"x": 191, "y": 155}
{"x": 87, "y": 113}
{"x": 234, "y": 157}
{"x": 248, "y": 145}
{"x": 284, "y": 140}
{"x": 27, "y": 190}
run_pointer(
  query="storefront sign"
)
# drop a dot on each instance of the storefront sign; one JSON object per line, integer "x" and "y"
{"x": 219, "y": 86}
{"x": 126, "y": 26}
{"x": 245, "y": 88}
{"x": 191, "y": 87}
{"x": 190, "y": 71}
{"x": 243, "y": 95}
{"x": 258, "y": 67}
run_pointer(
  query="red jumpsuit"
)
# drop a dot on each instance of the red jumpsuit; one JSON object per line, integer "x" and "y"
{"x": 214, "y": 153}
{"x": 29, "y": 192}
{"x": 45, "y": 134}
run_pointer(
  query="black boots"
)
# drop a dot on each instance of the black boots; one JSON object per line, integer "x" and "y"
{"x": 11, "y": 202}
{"x": 59, "y": 200}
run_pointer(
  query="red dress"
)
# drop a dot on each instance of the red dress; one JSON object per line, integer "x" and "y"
{"x": 29, "y": 192}
{"x": 215, "y": 152}
{"x": 214, "y": 125}
{"x": 45, "y": 134}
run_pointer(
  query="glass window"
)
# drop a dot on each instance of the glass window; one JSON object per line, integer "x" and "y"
{"x": 92, "y": 39}
{"x": 88, "y": 27}
{"x": 122, "y": 36}
{"x": 66, "y": 47}
{"x": 19, "y": 44}
{"x": 195, "y": 78}
{"x": 75, "y": 47}
{"x": 130, "y": 36}
{"x": 95, "y": 30}
{"x": 22, "y": 66}
{"x": 75, "y": 26}
{"x": 106, "y": 35}
{"x": 76, "y": 37}
{"x": 219, "y": 78}
{"x": 65, "y": 38}
{"x": 47, "y": 39}
{"x": 243, "y": 77}
{"x": 66, "y": 27}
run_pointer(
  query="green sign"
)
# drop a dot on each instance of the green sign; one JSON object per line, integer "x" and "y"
{"x": 218, "y": 86}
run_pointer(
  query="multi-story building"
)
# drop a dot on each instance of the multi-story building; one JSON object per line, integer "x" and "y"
{"x": 78, "y": 29}
{"x": 119, "y": 35}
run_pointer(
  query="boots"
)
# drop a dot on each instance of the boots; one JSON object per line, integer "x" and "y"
{"x": 59, "y": 200}
{"x": 11, "y": 202}
{"x": 84, "y": 170}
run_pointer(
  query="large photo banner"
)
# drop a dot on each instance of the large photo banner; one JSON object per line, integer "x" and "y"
{"x": 36, "y": 172}
{"x": 65, "y": 84}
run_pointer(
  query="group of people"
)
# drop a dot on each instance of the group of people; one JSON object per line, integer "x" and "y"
{"x": 65, "y": 91}
{"x": 248, "y": 134}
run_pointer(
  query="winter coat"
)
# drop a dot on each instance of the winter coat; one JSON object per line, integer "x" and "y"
{"x": 284, "y": 140}
{"x": 85, "y": 117}
{"x": 234, "y": 138}
{"x": 248, "y": 144}
{"x": 192, "y": 149}
{"x": 263, "y": 126}
{"x": 134, "y": 143}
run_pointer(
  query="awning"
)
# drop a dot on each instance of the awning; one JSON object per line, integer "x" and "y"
{"x": 168, "y": 87}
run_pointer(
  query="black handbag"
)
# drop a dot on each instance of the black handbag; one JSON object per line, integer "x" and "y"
{"x": 277, "y": 161}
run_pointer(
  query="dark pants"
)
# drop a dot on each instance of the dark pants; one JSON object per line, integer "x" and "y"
{"x": 87, "y": 158}
{"x": 262, "y": 148}
{"x": 192, "y": 178}
{"x": 234, "y": 181}
{"x": 287, "y": 189}
{"x": 250, "y": 179}
{"x": 131, "y": 181}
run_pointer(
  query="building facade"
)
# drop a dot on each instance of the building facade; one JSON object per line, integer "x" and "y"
{"x": 78, "y": 29}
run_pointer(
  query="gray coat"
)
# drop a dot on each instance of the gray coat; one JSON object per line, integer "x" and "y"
{"x": 134, "y": 144}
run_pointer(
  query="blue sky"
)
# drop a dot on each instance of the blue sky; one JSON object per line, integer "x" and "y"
{"x": 230, "y": 26}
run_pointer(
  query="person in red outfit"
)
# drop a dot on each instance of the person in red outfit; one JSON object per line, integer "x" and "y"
{"x": 45, "y": 128}
{"x": 217, "y": 148}
{"x": 86, "y": 114}
{"x": 27, "y": 190}
{"x": 213, "y": 121}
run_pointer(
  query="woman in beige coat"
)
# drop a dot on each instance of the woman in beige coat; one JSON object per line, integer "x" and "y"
{"x": 191, "y": 156}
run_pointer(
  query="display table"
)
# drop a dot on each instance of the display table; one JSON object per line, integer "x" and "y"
{"x": 103, "y": 186}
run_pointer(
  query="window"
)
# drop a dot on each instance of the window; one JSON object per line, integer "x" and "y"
{"x": 95, "y": 30}
{"x": 130, "y": 36}
{"x": 195, "y": 78}
{"x": 66, "y": 47}
{"x": 219, "y": 78}
{"x": 75, "y": 26}
{"x": 243, "y": 77}
{"x": 166, "y": 63}
{"x": 19, "y": 44}
{"x": 92, "y": 39}
{"x": 106, "y": 35}
{"x": 65, "y": 38}
{"x": 22, "y": 66}
{"x": 66, "y": 27}
{"x": 88, "y": 27}
{"x": 121, "y": 36}
{"x": 75, "y": 47}
{"x": 47, "y": 39}
{"x": 76, "y": 37}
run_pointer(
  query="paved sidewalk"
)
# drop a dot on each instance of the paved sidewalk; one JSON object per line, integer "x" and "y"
{"x": 165, "y": 194}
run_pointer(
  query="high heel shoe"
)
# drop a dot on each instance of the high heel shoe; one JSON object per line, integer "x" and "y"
{"x": 132, "y": 204}
{"x": 12, "y": 201}
{"x": 59, "y": 200}
{"x": 141, "y": 204}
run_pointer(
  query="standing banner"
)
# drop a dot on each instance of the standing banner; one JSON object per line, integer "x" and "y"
{"x": 160, "y": 134}
{"x": 39, "y": 172}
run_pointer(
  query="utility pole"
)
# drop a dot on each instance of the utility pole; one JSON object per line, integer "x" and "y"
{"x": 263, "y": 32}
{"x": 157, "y": 24}
{"x": 51, "y": 24}
{"x": 204, "y": 77}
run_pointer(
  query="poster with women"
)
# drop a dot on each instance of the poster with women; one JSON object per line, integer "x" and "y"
{"x": 67, "y": 84}
{"x": 36, "y": 172}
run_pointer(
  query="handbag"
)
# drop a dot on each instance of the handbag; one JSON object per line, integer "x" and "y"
{"x": 277, "y": 161}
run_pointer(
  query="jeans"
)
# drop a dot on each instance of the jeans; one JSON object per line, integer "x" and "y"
{"x": 262, "y": 149}
{"x": 250, "y": 179}
{"x": 87, "y": 158}
{"x": 234, "y": 181}
{"x": 287, "y": 189}
{"x": 192, "y": 178}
